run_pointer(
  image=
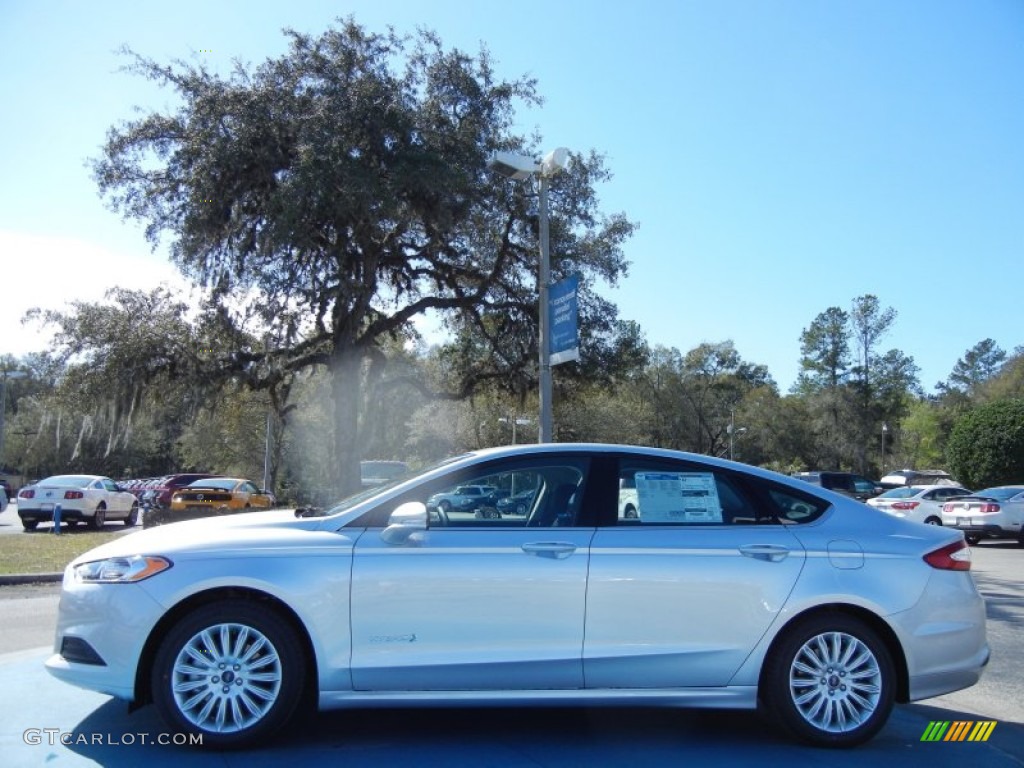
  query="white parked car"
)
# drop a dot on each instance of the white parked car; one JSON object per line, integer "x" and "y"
{"x": 91, "y": 499}
{"x": 920, "y": 503}
{"x": 994, "y": 513}
{"x": 734, "y": 586}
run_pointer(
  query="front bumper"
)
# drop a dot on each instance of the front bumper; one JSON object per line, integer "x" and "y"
{"x": 113, "y": 621}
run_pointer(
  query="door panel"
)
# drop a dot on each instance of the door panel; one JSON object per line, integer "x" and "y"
{"x": 672, "y": 606}
{"x": 679, "y": 595}
{"x": 470, "y": 609}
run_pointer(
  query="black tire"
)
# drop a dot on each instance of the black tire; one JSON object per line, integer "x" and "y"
{"x": 972, "y": 538}
{"x": 253, "y": 710}
{"x": 630, "y": 512}
{"x": 99, "y": 517}
{"x": 133, "y": 516}
{"x": 848, "y": 699}
{"x": 933, "y": 521}
{"x": 29, "y": 525}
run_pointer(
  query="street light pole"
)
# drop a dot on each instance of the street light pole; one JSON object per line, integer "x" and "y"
{"x": 881, "y": 457}
{"x": 731, "y": 429}
{"x": 519, "y": 167}
{"x": 544, "y": 279}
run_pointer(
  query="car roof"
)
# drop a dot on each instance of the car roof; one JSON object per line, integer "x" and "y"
{"x": 473, "y": 457}
{"x": 58, "y": 478}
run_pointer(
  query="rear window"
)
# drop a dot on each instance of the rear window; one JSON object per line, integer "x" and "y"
{"x": 900, "y": 493}
{"x": 999, "y": 494}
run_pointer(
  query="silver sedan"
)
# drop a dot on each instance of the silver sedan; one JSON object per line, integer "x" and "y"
{"x": 732, "y": 587}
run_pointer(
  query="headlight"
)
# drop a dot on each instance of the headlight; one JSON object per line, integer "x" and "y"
{"x": 121, "y": 570}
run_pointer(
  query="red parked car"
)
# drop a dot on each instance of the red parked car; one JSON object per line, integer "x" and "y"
{"x": 164, "y": 487}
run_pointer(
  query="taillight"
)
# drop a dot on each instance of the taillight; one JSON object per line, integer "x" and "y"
{"x": 28, "y": 493}
{"x": 73, "y": 495}
{"x": 952, "y": 557}
{"x": 989, "y": 508}
{"x": 905, "y": 504}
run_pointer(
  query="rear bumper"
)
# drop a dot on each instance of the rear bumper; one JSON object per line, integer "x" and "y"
{"x": 46, "y": 515}
{"x": 938, "y": 683}
{"x": 991, "y": 530}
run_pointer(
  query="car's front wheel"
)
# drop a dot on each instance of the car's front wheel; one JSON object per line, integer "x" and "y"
{"x": 133, "y": 516}
{"x": 231, "y": 672}
{"x": 830, "y": 681}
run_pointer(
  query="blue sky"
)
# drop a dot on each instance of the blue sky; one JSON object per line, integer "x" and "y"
{"x": 780, "y": 157}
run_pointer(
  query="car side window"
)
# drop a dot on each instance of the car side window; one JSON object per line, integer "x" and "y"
{"x": 654, "y": 493}
{"x": 863, "y": 485}
{"x": 545, "y": 494}
{"x": 680, "y": 493}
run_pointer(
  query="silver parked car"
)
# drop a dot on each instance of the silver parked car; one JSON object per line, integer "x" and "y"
{"x": 732, "y": 587}
{"x": 994, "y": 513}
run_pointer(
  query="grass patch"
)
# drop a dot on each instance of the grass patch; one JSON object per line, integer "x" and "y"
{"x": 42, "y": 552}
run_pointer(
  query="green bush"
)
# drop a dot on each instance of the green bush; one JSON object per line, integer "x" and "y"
{"x": 986, "y": 446}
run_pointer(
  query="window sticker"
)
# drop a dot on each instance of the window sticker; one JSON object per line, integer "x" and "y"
{"x": 678, "y": 497}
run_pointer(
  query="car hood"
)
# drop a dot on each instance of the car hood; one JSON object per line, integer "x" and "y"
{"x": 245, "y": 531}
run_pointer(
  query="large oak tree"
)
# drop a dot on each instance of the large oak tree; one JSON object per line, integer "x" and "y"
{"x": 345, "y": 186}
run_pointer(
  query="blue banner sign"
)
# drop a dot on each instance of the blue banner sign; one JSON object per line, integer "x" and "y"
{"x": 563, "y": 320}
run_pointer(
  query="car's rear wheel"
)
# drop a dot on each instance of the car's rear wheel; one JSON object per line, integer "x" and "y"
{"x": 972, "y": 538}
{"x": 933, "y": 521}
{"x": 29, "y": 525}
{"x": 230, "y": 671}
{"x": 830, "y": 681}
{"x": 99, "y": 517}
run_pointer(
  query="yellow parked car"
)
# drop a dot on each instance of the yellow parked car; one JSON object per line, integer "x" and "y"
{"x": 211, "y": 496}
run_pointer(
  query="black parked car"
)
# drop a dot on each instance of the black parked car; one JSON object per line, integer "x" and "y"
{"x": 846, "y": 483}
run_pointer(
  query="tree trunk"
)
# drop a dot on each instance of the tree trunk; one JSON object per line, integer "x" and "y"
{"x": 346, "y": 389}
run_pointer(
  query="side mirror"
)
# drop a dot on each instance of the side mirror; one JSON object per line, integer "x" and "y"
{"x": 405, "y": 522}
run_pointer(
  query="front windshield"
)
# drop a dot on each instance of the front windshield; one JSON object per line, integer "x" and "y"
{"x": 364, "y": 495}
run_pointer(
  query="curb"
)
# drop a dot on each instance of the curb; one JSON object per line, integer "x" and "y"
{"x": 12, "y": 579}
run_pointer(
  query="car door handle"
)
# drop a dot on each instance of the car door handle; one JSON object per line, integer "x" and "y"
{"x": 769, "y": 552}
{"x": 558, "y": 550}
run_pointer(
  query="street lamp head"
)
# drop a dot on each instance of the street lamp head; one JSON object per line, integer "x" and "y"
{"x": 513, "y": 166}
{"x": 554, "y": 161}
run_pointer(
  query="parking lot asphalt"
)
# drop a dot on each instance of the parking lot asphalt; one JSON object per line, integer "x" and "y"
{"x": 45, "y": 722}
